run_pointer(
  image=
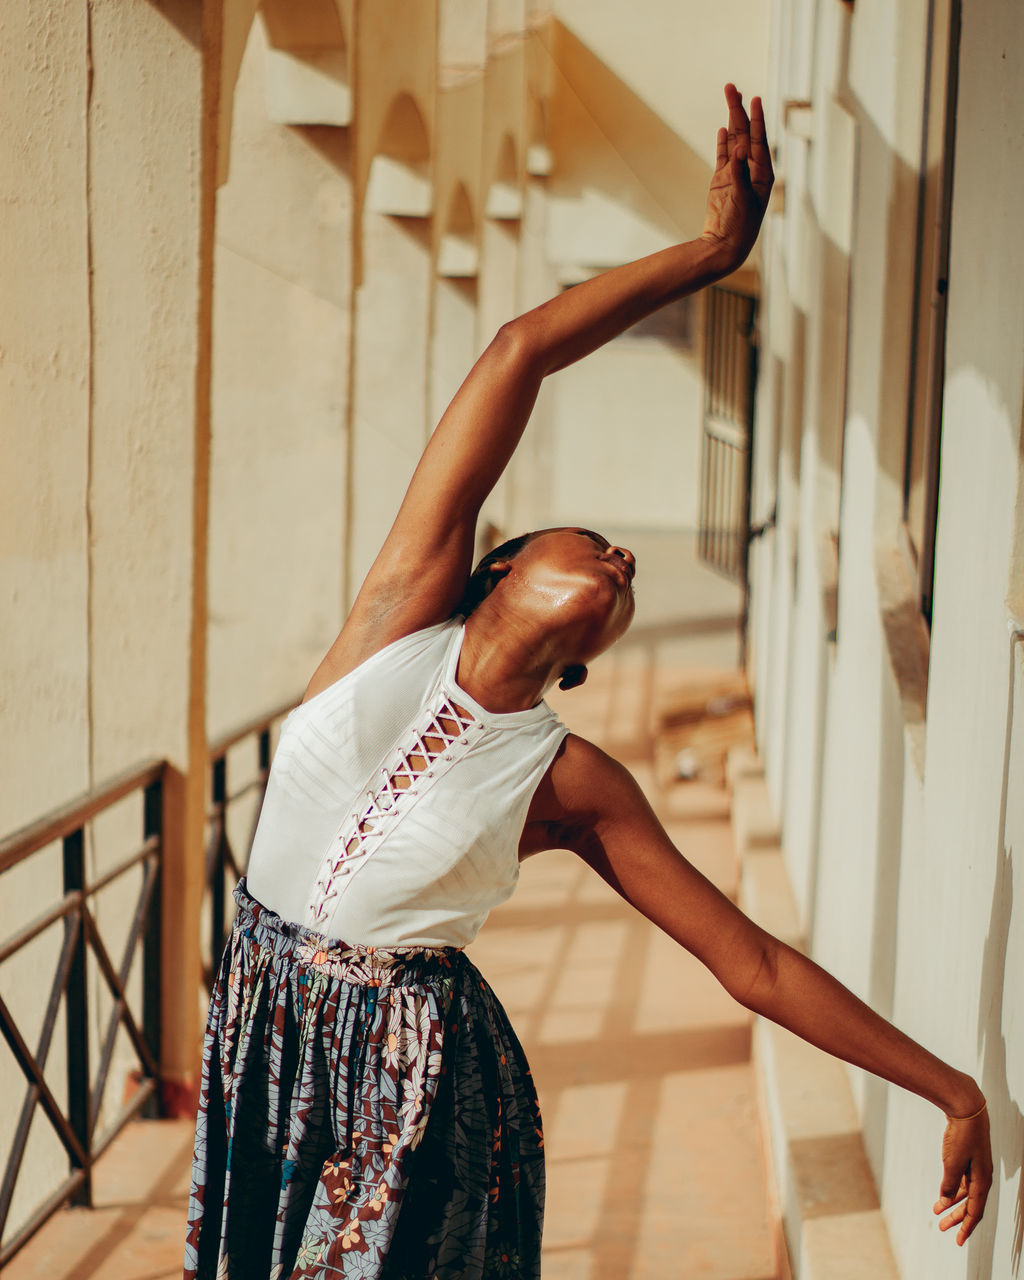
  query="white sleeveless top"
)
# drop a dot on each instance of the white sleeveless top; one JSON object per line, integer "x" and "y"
{"x": 395, "y": 802}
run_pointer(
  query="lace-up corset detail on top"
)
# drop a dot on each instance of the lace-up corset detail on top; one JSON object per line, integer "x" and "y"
{"x": 396, "y": 802}
{"x": 440, "y": 736}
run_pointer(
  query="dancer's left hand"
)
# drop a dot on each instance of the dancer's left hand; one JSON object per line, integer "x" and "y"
{"x": 741, "y": 183}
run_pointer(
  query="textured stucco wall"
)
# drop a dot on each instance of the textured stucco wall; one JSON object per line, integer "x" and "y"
{"x": 144, "y": 233}
{"x": 45, "y": 340}
{"x": 900, "y": 814}
{"x": 46, "y": 352}
{"x": 102, "y": 301}
{"x": 213, "y": 402}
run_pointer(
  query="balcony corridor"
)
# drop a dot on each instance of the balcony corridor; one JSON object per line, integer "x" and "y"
{"x": 642, "y": 1062}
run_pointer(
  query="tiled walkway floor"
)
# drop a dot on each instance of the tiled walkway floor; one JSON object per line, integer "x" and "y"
{"x": 642, "y": 1061}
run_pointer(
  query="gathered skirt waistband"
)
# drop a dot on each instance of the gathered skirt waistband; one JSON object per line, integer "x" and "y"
{"x": 371, "y": 966}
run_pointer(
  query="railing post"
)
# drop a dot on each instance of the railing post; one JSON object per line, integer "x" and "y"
{"x": 76, "y": 1012}
{"x": 153, "y": 827}
{"x": 219, "y": 797}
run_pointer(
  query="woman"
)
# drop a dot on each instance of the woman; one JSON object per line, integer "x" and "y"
{"x": 366, "y": 1109}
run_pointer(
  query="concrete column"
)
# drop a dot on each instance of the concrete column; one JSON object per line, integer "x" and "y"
{"x": 283, "y": 287}
{"x": 389, "y": 379}
{"x": 152, "y": 122}
{"x": 396, "y": 84}
{"x": 44, "y": 439}
{"x": 452, "y": 340}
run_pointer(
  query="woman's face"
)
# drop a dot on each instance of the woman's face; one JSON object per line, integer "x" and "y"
{"x": 583, "y": 580}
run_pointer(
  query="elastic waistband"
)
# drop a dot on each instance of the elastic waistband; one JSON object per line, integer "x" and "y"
{"x": 401, "y": 966}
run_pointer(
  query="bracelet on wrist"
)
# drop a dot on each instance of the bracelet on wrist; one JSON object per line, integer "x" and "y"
{"x": 973, "y": 1116}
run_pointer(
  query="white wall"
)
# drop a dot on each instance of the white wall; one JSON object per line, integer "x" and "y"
{"x": 634, "y": 122}
{"x": 900, "y": 808}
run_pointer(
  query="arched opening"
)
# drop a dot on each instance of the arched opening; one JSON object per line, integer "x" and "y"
{"x": 539, "y": 158}
{"x": 308, "y": 76}
{"x": 458, "y": 256}
{"x": 399, "y": 183}
{"x": 504, "y": 195}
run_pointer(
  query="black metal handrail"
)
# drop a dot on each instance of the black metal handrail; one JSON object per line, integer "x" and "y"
{"x": 222, "y": 861}
{"x": 76, "y": 1125}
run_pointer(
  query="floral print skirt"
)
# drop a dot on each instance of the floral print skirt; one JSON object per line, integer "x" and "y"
{"x": 363, "y": 1113}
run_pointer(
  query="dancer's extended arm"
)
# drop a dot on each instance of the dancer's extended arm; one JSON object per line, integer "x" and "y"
{"x": 419, "y": 575}
{"x": 591, "y": 804}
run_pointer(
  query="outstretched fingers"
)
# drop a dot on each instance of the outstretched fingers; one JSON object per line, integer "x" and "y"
{"x": 739, "y": 124}
{"x": 966, "y": 1176}
{"x": 969, "y": 1210}
{"x": 722, "y": 150}
{"x": 762, "y": 174}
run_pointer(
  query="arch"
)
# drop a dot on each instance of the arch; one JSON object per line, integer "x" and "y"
{"x": 504, "y": 196}
{"x": 308, "y": 71}
{"x": 308, "y": 74}
{"x": 458, "y": 255}
{"x": 399, "y": 182}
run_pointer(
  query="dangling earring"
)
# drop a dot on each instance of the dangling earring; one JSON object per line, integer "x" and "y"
{"x": 573, "y": 677}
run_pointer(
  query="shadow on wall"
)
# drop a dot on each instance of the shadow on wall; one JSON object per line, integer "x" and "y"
{"x": 1005, "y": 1112}
{"x": 607, "y": 141}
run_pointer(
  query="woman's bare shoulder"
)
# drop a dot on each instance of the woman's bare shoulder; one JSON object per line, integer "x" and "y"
{"x": 583, "y": 788}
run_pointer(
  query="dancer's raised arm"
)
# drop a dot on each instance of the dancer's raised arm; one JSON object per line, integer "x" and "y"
{"x": 419, "y": 575}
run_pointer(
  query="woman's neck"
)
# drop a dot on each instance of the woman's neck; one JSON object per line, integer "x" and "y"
{"x": 505, "y": 664}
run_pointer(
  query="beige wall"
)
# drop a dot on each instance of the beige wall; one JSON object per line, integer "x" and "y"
{"x": 282, "y": 328}
{"x": 894, "y": 756}
{"x": 45, "y": 327}
{"x": 105, "y": 304}
{"x": 251, "y": 251}
{"x": 632, "y": 134}
{"x": 45, "y": 339}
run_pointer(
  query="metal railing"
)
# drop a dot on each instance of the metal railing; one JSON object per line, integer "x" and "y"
{"x": 730, "y": 376}
{"x": 76, "y": 1124}
{"x": 224, "y": 866}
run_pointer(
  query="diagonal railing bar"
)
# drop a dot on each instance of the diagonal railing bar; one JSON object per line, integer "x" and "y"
{"x": 120, "y": 1014}
{"x": 26, "y": 1061}
{"x": 66, "y": 1189}
{"x": 126, "y": 1018}
{"x": 34, "y": 1069}
{"x": 84, "y": 953}
{"x": 64, "y": 909}
{"x": 145, "y": 853}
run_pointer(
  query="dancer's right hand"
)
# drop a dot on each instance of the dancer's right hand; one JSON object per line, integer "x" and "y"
{"x": 966, "y": 1173}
